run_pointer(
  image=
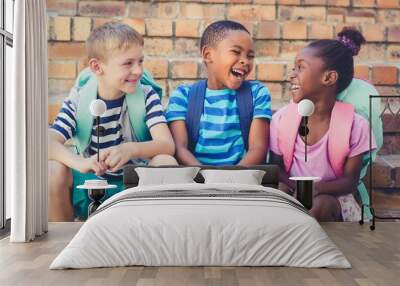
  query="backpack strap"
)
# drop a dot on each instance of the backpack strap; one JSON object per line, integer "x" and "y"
{"x": 288, "y": 127}
{"x": 339, "y": 135}
{"x": 87, "y": 86}
{"x": 196, "y": 97}
{"x": 244, "y": 98}
{"x": 137, "y": 113}
{"x": 84, "y": 120}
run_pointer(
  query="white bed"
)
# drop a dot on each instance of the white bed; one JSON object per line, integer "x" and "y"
{"x": 201, "y": 224}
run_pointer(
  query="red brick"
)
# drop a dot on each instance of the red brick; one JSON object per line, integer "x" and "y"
{"x": 60, "y": 86}
{"x": 275, "y": 90}
{"x": 157, "y": 67}
{"x": 393, "y": 52}
{"x": 102, "y": 9}
{"x": 384, "y": 75}
{"x": 285, "y": 13}
{"x": 62, "y": 69}
{"x": 268, "y": 30}
{"x": 62, "y": 7}
{"x": 381, "y": 173}
{"x": 163, "y": 83}
{"x": 290, "y": 49}
{"x": 388, "y": 3}
{"x": 139, "y": 9}
{"x": 239, "y": 1}
{"x": 187, "y": 47}
{"x": 187, "y": 28}
{"x": 254, "y": 12}
{"x": 158, "y": 27}
{"x": 202, "y": 11}
{"x": 173, "y": 84}
{"x": 315, "y": 2}
{"x": 271, "y": 71}
{"x": 336, "y": 14}
{"x": 66, "y": 50}
{"x": 249, "y": 26}
{"x": 374, "y": 32}
{"x": 391, "y": 145}
{"x": 339, "y": 27}
{"x": 264, "y": 1}
{"x": 60, "y": 28}
{"x": 363, "y": 3}
{"x": 267, "y": 48}
{"x": 388, "y": 16}
{"x": 53, "y": 110}
{"x": 100, "y": 21}
{"x": 397, "y": 178}
{"x": 390, "y": 123}
{"x": 308, "y": 13}
{"x": 340, "y": 3}
{"x": 184, "y": 69}
{"x": 81, "y": 28}
{"x": 360, "y": 16}
{"x": 362, "y": 72}
{"x": 166, "y": 10}
{"x": 394, "y": 33}
{"x": 335, "y": 18}
{"x": 294, "y": 30}
{"x": 252, "y": 74}
{"x": 158, "y": 47}
{"x": 320, "y": 31}
{"x": 191, "y": 10}
{"x": 82, "y": 63}
{"x": 288, "y": 2}
{"x": 388, "y": 90}
{"x": 137, "y": 24}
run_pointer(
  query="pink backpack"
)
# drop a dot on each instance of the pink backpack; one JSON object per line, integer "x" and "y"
{"x": 338, "y": 135}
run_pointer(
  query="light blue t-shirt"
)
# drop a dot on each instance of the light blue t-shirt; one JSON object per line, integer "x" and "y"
{"x": 220, "y": 137}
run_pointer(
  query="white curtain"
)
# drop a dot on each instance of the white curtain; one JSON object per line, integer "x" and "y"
{"x": 26, "y": 123}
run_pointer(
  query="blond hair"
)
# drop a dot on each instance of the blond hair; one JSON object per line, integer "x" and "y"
{"x": 110, "y": 37}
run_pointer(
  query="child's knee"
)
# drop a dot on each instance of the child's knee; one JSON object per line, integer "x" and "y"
{"x": 162, "y": 160}
{"x": 60, "y": 176}
{"x": 326, "y": 208}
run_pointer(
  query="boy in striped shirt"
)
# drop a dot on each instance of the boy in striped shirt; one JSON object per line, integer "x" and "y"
{"x": 220, "y": 135}
{"x": 115, "y": 53}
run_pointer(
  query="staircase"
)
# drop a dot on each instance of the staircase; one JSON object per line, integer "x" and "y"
{"x": 386, "y": 170}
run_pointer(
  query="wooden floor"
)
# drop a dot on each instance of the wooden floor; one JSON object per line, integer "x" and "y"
{"x": 374, "y": 255}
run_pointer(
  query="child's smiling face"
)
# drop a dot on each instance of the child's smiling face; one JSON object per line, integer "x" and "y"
{"x": 230, "y": 61}
{"x": 306, "y": 78}
{"x": 123, "y": 69}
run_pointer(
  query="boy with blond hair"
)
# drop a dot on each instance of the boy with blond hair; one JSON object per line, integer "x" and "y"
{"x": 134, "y": 126}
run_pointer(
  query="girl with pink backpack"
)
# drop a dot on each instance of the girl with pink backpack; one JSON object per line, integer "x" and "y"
{"x": 338, "y": 137}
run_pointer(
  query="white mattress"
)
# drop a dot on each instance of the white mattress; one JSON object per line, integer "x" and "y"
{"x": 270, "y": 229}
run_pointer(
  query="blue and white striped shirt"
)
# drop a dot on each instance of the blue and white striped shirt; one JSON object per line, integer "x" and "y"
{"x": 220, "y": 137}
{"x": 115, "y": 120}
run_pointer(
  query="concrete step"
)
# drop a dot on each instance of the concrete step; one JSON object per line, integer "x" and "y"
{"x": 385, "y": 185}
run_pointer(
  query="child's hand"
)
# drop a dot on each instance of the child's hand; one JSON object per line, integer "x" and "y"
{"x": 117, "y": 156}
{"x": 91, "y": 165}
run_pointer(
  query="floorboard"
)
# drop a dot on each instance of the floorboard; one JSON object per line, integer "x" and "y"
{"x": 374, "y": 255}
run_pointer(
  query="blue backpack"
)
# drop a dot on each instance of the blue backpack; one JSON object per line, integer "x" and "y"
{"x": 195, "y": 109}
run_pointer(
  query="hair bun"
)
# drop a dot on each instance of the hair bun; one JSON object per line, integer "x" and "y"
{"x": 352, "y": 39}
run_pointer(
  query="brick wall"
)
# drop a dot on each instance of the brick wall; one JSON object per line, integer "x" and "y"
{"x": 279, "y": 28}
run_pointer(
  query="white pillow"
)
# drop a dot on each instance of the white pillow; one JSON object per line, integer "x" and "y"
{"x": 166, "y": 176}
{"x": 249, "y": 177}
